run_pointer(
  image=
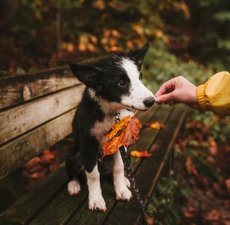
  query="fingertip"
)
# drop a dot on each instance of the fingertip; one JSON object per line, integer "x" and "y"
{"x": 157, "y": 99}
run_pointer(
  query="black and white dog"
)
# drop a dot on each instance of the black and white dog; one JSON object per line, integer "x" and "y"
{"x": 113, "y": 87}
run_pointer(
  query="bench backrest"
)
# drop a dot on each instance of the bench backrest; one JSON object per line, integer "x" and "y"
{"x": 36, "y": 111}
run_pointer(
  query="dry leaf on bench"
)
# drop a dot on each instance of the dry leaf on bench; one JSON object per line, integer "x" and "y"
{"x": 140, "y": 154}
{"x": 155, "y": 125}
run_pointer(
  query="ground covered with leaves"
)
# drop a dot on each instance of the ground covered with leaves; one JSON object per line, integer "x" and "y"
{"x": 198, "y": 190}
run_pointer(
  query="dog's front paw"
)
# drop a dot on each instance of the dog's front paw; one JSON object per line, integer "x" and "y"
{"x": 97, "y": 203}
{"x": 127, "y": 182}
{"x": 123, "y": 194}
{"x": 74, "y": 187}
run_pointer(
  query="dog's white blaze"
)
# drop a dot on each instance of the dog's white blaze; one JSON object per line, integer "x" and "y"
{"x": 138, "y": 92}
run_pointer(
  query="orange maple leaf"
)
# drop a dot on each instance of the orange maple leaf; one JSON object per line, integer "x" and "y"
{"x": 123, "y": 133}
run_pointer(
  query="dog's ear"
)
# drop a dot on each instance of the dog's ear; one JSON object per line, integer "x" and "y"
{"x": 87, "y": 74}
{"x": 138, "y": 55}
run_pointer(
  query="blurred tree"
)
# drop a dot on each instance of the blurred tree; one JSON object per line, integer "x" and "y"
{"x": 211, "y": 19}
{"x": 7, "y": 10}
{"x": 200, "y": 28}
{"x": 41, "y": 33}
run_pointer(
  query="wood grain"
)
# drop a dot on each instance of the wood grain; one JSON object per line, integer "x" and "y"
{"x": 16, "y": 121}
{"x": 15, "y": 90}
{"x": 17, "y": 152}
{"x": 34, "y": 201}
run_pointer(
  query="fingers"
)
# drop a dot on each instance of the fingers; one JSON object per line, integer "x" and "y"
{"x": 166, "y": 98}
{"x": 176, "y": 90}
{"x": 167, "y": 87}
{"x": 166, "y": 92}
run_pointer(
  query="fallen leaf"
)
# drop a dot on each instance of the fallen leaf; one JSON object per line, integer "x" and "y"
{"x": 150, "y": 220}
{"x": 191, "y": 167}
{"x": 213, "y": 215}
{"x": 123, "y": 133}
{"x": 155, "y": 125}
{"x": 48, "y": 156}
{"x": 189, "y": 212}
{"x": 227, "y": 183}
{"x": 34, "y": 161}
{"x": 140, "y": 154}
{"x": 212, "y": 146}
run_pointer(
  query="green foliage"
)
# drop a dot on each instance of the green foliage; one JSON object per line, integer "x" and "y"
{"x": 160, "y": 66}
{"x": 210, "y": 20}
{"x": 223, "y": 16}
{"x": 166, "y": 203}
{"x": 199, "y": 27}
{"x": 42, "y": 29}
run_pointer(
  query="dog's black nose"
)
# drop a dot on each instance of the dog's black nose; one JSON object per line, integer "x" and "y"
{"x": 148, "y": 102}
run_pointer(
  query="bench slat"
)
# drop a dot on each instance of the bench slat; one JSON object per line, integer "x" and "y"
{"x": 149, "y": 134}
{"x": 33, "y": 142}
{"x": 59, "y": 209}
{"x": 19, "y": 120}
{"x": 30, "y": 204}
{"x": 18, "y": 89}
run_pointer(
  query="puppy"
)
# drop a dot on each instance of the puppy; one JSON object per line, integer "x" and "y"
{"x": 113, "y": 89}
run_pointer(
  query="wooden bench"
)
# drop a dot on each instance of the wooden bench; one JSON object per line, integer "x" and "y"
{"x": 36, "y": 111}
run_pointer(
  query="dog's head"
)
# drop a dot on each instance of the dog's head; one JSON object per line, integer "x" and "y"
{"x": 117, "y": 78}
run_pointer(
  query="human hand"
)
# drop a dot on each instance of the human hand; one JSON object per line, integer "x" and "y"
{"x": 177, "y": 90}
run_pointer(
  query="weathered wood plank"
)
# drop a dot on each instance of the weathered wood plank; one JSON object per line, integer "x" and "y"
{"x": 32, "y": 203}
{"x": 83, "y": 216}
{"x": 151, "y": 168}
{"x": 148, "y": 135}
{"x": 17, "y": 152}
{"x": 60, "y": 209}
{"x": 17, "y": 89}
{"x": 18, "y": 120}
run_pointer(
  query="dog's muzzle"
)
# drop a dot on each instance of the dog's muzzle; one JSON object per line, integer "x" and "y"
{"x": 148, "y": 102}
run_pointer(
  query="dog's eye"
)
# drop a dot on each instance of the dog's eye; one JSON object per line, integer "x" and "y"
{"x": 122, "y": 83}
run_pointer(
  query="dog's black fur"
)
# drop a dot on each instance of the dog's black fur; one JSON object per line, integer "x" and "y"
{"x": 86, "y": 149}
{"x": 106, "y": 84}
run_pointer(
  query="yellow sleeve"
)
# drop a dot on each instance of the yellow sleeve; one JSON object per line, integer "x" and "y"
{"x": 214, "y": 95}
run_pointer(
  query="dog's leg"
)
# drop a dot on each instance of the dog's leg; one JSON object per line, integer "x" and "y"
{"x": 96, "y": 201}
{"x": 73, "y": 167}
{"x": 121, "y": 183}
